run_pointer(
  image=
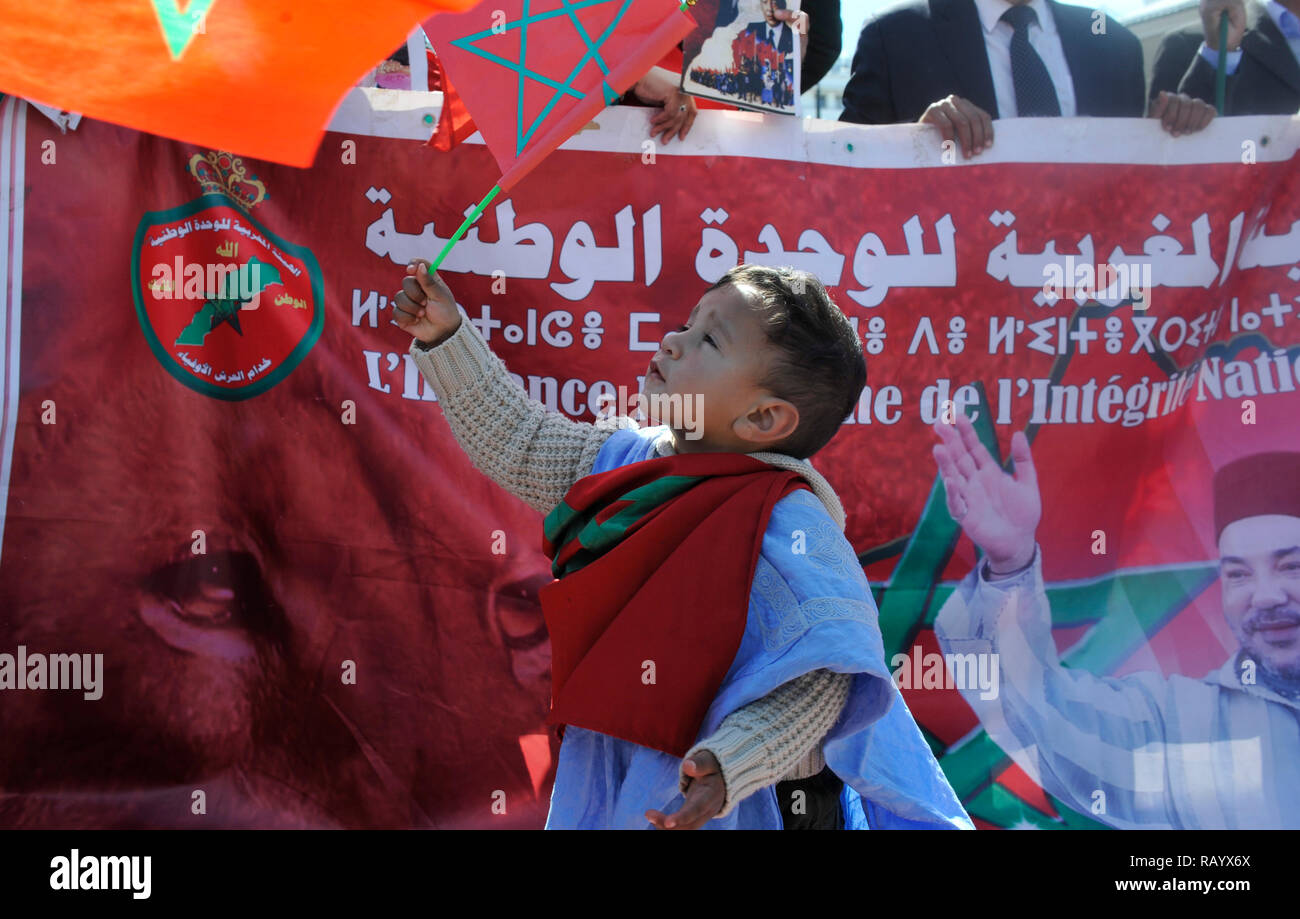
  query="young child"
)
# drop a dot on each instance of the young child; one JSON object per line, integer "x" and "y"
{"x": 716, "y": 660}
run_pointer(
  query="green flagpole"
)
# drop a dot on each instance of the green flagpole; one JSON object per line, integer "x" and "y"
{"x": 1221, "y": 72}
{"x": 474, "y": 215}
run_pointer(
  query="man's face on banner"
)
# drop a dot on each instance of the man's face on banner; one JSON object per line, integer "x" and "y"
{"x": 226, "y": 669}
{"x": 1259, "y": 571}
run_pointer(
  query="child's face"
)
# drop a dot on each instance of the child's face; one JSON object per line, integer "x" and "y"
{"x": 713, "y": 363}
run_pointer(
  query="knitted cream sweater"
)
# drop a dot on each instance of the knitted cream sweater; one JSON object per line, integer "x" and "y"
{"x": 537, "y": 455}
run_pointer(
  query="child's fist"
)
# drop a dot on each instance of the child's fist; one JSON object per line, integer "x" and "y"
{"x": 704, "y": 795}
{"x": 425, "y": 306}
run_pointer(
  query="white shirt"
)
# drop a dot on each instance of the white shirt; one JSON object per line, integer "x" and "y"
{"x": 1170, "y": 752}
{"x": 1043, "y": 38}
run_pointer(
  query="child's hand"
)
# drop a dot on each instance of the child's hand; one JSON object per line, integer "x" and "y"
{"x": 704, "y": 796}
{"x": 425, "y": 306}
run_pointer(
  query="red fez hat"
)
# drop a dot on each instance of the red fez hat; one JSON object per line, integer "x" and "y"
{"x": 1263, "y": 483}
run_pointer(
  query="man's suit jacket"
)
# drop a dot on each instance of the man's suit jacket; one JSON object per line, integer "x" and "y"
{"x": 915, "y": 55}
{"x": 1267, "y": 81}
{"x": 785, "y": 43}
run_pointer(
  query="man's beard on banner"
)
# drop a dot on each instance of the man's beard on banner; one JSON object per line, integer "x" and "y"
{"x": 1284, "y": 677}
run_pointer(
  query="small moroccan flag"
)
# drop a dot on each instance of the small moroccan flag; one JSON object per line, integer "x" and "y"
{"x": 259, "y": 78}
{"x": 532, "y": 72}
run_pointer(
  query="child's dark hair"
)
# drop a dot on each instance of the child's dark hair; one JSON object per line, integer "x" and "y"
{"x": 820, "y": 368}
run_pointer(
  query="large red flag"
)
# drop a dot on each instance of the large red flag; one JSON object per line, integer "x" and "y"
{"x": 532, "y": 72}
{"x": 256, "y": 77}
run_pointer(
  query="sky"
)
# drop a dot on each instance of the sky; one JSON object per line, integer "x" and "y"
{"x": 854, "y": 13}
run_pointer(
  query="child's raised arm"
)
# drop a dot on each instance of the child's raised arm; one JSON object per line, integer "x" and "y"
{"x": 532, "y": 453}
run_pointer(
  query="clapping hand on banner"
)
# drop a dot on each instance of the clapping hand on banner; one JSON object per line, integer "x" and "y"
{"x": 999, "y": 511}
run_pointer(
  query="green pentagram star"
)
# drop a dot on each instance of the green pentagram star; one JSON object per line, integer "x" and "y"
{"x": 225, "y": 309}
{"x": 180, "y": 28}
{"x": 234, "y": 290}
{"x": 524, "y": 72}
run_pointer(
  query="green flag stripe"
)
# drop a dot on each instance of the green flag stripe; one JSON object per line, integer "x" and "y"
{"x": 596, "y": 537}
{"x": 927, "y": 553}
{"x": 999, "y": 806}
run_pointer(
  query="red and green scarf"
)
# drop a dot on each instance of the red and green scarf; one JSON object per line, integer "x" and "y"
{"x": 654, "y": 562}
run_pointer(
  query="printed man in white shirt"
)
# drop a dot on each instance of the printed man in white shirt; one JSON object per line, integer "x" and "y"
{"x": 1219, "y": 752}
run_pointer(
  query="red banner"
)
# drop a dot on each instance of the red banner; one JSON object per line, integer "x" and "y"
{"x": 315, "y": 611}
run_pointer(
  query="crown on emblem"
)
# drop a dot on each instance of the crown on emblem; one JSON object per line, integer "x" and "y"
{"x": 221, "y": 173}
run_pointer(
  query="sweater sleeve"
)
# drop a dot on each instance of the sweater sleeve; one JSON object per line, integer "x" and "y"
{"x": 533, "y": 453}
{"x": 758, "y": 744}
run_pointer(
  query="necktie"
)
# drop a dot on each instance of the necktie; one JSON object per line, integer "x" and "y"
{"x": 771, "y": 37}
{"x": 1035, "y": 94}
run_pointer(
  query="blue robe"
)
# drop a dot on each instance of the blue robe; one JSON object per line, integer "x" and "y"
{"x": 807, "y": 611}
